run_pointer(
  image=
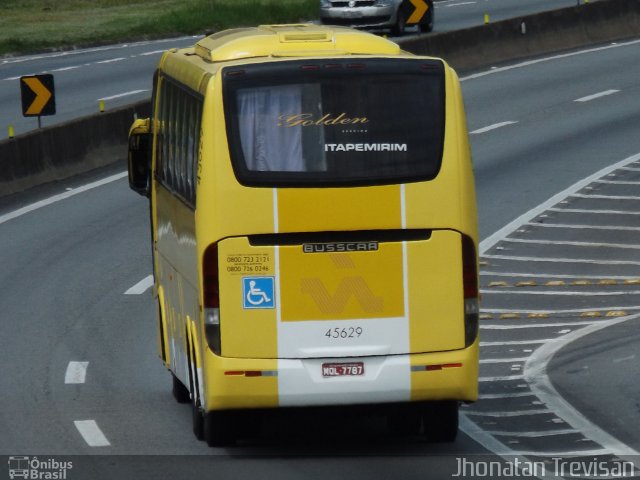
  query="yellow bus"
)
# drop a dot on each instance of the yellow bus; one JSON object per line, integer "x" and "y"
{"x": 314, "y": 228}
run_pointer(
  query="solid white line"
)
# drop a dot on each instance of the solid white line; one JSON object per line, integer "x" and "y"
{"x": 142, "y": 286}
{"x": 584, "y": 210}
{"x": 618, "y": 182}
{"x": 504, "y": 378}
{"x": 76, "y": 372}
{"x": 56, "y": 198}
{"x": 554, "y": 275}
{"x": 503, "y": 360}
{"x": 586, "y": 227}
{"x": 514, "y": 413}
{"x": 561, "y": 260}
{"x": 539, "y": 434}
{"x": 500, "y": 396}
{"x": 91, "y": 433}
{"x": 126, "y": 94}
{"x": 547, "y": 59}
{"x": 588, "y": 98}
{"x": 572, "y": 244}
{"x": 537, "y": 377}
{"x": 605, "y": 197}
{"x": 567, "y": 311}
{"x": 534, "y": 325}
{"x": 570, "y": 293}
{"x": 527, "y": 217}
{"x": 492, "y": 127}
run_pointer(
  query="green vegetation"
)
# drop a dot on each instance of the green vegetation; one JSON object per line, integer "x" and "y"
{"x": 38, "y": 25}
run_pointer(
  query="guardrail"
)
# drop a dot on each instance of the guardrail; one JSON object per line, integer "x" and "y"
{"x": 75, "y": 147}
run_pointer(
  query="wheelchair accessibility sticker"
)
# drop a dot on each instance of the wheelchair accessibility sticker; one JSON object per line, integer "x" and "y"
{"x": 258, "y": 292}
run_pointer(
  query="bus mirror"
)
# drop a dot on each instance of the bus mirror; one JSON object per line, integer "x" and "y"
{"x": 139, "y": 160}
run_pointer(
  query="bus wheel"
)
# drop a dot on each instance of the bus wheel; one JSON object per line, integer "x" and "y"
{"x": 180, "y": 392}
{"x": 219, "y": 429}
{"x": 440, "y": 421}
{"x": 198, "y": 420}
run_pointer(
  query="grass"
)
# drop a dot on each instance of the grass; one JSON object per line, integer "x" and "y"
{"x": 28, "y": 26}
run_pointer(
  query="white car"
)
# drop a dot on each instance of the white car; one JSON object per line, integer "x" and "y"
{"x": 383, "y": 14}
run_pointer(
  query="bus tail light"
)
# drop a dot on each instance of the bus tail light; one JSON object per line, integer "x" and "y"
{"x": 211, "y": 280}
{"x": 471, "y": 293}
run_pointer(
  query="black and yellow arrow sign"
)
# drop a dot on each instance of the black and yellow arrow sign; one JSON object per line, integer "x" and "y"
{"x": 421, "y": 8}
{"x": 38, "y": 95}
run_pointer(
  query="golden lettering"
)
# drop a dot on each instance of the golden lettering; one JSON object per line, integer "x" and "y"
{"x": 327, "y": 120}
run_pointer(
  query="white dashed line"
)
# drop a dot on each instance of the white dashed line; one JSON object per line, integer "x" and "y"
{"x": 91, "y": 433}
{"x": 76, "y": 372}
{"x": 141, "y": 287}
{"x": 492, "y": 127}
{"x": 595, "y": 96}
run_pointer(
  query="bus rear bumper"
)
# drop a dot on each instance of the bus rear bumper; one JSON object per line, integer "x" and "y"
{"x": 233, "y": 383}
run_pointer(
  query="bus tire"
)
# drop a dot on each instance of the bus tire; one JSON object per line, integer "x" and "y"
{"x": 440, "y": 420}
{"x": 180, "y": 392}
{"x": 198, "y": 420}
{"x": 219, "y": 429}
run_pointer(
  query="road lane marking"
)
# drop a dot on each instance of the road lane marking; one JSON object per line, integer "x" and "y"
{"x": 561, "y": 260}
{"x": 76, "y": 372}
{"x": 584, "y": 227}
{"x": 547, "y": 59}
{"x": 91, "y": 433}
{"x": 572, "y": 244}
{"x": 125, "y": 94}
{"x": 514, "y": 413}
{"x": 536, "y": 375}
{"x": 142, "y": 286}
{"x": 155, "y": 52}
{"x": 57, "y": 198}
{"x": 110, "y": 60}
{"x": 503, "y": 360}
{"x": 539, "y": 434}
{"x": 585, "y": 210}
{"x": 527, "y": 217}
{"x": 555, "y": 275}
{"x": 492, "y": 127}
{"x": 514, "y": 342}
{"x": 533, "y": 325}
{"x": 595, "y": 96}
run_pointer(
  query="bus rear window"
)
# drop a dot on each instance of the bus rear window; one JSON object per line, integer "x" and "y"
{"x": 370, "y": 122}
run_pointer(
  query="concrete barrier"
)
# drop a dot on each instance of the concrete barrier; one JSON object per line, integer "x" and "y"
{"x": 546, "y": 32}
{"x": 60, "y": 151}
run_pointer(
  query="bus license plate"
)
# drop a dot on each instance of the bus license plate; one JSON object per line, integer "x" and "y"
{"x": 342, "y": 369}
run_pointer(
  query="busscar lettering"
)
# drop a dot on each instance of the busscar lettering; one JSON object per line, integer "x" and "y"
{"x": 340, "y": 247}
{"x": 365, "y": 147}
{"x": 309, "y": 120}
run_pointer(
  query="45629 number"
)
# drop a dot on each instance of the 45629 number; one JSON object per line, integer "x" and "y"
{"x": 346, "y": 332}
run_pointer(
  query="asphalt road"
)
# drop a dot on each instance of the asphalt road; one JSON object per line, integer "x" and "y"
{"x": 79, "y": 369}
{"x": 121, "y": 74}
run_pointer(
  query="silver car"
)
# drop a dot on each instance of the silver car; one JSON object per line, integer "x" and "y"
{"x": 382, "y": 14}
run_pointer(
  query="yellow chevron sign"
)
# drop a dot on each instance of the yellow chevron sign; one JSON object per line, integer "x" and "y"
{"x": 38, "y": 95}
{"x": 418, "y": 13}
